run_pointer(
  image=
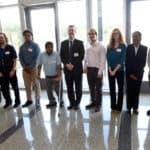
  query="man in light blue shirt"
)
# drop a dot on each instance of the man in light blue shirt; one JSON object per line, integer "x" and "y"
{"x": 52, "y": 69}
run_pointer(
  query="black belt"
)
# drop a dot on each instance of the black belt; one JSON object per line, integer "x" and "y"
{"x": 50, "y": 77}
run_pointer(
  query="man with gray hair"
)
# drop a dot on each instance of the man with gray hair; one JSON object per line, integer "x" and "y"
{"x": 72, "y": 54}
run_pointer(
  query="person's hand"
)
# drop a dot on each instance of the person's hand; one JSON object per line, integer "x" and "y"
{"x": 99, "y": 75}
{"x": 112, "y": 73}
{"x": 133, "y": 77}
{"x": 11, "y": 73}
{"x": 58, "y": 78}
{"x": 1, "y": 75}
{"x": 27, "y": 69}
{"x": 69, "y": 67}
{"x": 85, "y": 71}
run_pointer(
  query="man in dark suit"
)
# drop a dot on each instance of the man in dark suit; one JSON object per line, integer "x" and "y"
{"x": 135, "y": 62}
{"x": 72, "y": 54}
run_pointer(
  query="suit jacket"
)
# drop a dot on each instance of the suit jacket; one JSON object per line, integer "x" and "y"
{"x": 135, "y": 63}
{"x": 77, "y": 55}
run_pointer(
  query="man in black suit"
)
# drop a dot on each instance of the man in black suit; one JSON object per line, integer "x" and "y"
{"x": 72, "y": 54}
{"x": 135, "y": 62}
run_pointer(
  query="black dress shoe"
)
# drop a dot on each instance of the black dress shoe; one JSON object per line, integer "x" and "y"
{"x": 135, "y": 111}
{"x": 28, "y": 103}
{"x": 61, "y": 104}
{"x": 7, "y": 105}
{"x": 51, "y": 105}
{"x": 129, "y": 111}
{"x": 97, "y": 109}
{"x": 16, "y": 105}
{"x": 90, "y": 106}
{"x": 70, "y": 107}
{"x": 76, "y": 107}
{"x": 148, "y": 112}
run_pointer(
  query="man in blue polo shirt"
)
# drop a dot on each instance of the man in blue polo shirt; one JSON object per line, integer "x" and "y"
{"x": 52, "y": 69}
{"x": 8, "y": 59}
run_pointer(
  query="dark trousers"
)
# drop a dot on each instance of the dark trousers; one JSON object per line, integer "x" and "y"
{"x": 4, "y": 81}
{"x": 52, "y": 85}
{"x": 95, "y": 86}
{"x": 133, "y": 91}
{"x": 74, "y": 87}
{"x": 116, "y": 101}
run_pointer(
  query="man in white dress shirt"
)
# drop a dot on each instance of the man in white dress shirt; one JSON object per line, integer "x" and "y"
{"x": 94, "y": 66}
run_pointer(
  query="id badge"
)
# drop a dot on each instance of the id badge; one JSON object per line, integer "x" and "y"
{"x": 76, "y": 54}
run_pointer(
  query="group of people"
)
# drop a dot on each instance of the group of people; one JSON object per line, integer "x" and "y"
{"x": 123, "y": 62}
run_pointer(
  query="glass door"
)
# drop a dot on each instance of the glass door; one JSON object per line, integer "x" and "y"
{"x": 140, "y": 11}
{"x": 41, "y": 20}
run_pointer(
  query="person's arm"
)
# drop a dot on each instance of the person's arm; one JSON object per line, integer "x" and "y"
{"x": 82, "y": 51}
{"x": 102, "y": 61}
{"x": 14, "y": 56}
{"x": 85, "y": 62}
{"x": 36, "y": 52}
{"x": 21, "y": 58}
{"x": 142, "y": 63}
{"x": 40, "y": 62}
{"x": 59, "y": 68}
{"x": 108, "y": 60}
{"x": 62, "y": 54}
{"x": 148, "y": 60}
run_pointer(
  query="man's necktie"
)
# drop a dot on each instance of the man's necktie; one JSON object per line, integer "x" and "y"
{"x": 70, "y": 50}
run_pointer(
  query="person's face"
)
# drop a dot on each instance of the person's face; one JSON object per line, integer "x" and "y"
{"x": 28, "y": 37}
{"x": 116, "y": 35}
{"x": 2, "y": 39}
{"x": 71, "y": 32}
{"x": 92, "y": 36}
{"x": 49, "y": 49}
{"x": 136, "y": 38}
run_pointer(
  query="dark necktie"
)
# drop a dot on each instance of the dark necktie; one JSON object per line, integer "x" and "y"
{"x": 70, "y": 50}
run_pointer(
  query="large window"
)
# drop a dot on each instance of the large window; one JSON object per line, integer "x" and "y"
{"x": 112, "y": 17}
{"x": 10, "y": 24}
{"x": 8, "y": 2}
{"x": 139, "y": 22}
{"x": 43, "y": 26}
{"x": 72, "y": 13}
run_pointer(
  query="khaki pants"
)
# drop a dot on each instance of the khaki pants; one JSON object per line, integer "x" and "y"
{"x": 31, "y": 82}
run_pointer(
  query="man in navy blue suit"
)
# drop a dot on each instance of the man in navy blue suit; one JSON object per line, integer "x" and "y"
{"x": 72, "y": 54}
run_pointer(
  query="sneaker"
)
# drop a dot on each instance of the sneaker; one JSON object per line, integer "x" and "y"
{"x": 28, "y": 103}
{"x": 90, "y": 106}
{"x": 51, "y": 105}
{"x": 37, "y": 102}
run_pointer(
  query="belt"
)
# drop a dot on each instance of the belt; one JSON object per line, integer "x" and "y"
{"x": 50, "y": 77}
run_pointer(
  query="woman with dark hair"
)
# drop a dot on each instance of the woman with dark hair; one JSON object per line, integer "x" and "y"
{"x": 115, "y": 58}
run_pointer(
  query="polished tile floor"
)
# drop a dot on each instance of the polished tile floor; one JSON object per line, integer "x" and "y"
{"x": 42, "y": 129}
